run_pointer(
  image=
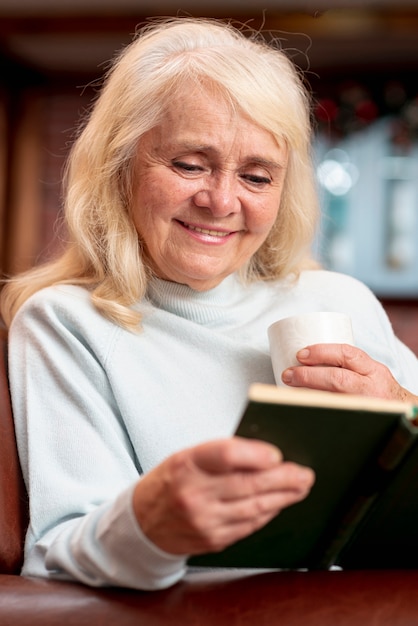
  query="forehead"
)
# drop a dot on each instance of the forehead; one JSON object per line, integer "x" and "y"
{"x": 202, "y": 119}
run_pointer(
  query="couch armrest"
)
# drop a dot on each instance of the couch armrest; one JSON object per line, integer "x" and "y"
{"x": 221, "y": 598}
{"x": 13, "y": 497}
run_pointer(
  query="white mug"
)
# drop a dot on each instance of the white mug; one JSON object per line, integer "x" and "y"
{"x": 290, "y": 334}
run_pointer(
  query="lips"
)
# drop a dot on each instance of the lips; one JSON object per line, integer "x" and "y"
{"x": 206, "y": 231}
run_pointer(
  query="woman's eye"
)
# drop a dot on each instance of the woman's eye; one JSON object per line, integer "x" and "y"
{"x": 257, "y": 180}
{"x": 187, "y": 167}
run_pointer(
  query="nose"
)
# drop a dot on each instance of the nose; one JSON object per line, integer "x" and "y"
{"x": 219, "y": 194}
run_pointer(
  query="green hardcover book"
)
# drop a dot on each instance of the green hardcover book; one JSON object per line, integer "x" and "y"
{"x": 365, "y": 457}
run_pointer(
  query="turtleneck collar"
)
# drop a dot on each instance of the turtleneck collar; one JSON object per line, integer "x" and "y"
{"x": 202, "y": 307}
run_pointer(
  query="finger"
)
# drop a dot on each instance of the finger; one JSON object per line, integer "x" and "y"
{"x": 379, "y": 382}
{"x": 285, "y": 477}
{"x": 235, "y": 453}
{"x": 242, "y": 517}
{"x": 262, "y": 504}
{"x": 337, "y": 355}
{"x": 327, "y": 378}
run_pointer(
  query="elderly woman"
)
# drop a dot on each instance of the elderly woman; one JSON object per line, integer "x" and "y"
{"x": 190, "y": 206}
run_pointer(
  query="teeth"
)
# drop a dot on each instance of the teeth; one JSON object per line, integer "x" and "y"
{"x": 206, "y": 231}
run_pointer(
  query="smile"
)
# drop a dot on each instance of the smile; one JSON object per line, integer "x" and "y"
{"x": 206, "y": 231}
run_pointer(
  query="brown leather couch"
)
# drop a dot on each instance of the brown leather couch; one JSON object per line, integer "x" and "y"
{"x": 203, "y": 598}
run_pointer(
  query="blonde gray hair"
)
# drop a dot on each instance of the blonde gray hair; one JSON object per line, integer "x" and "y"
{"x": 165, "y": 58}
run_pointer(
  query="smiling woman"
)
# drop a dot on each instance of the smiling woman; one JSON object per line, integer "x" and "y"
{"x": 165, "y": 65}
{"x": 207, "y": 188}
{"x": 191, "y": 208}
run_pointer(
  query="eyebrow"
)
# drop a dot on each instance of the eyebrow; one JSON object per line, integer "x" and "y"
{"x": 266, "y": 162}
{"x": 256, "y": 159}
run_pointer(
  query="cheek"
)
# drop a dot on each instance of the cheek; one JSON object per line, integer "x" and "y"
{"x": 149, "y": 205}
{"x": 161, "y": 197}
{"x": 263, "y": 218}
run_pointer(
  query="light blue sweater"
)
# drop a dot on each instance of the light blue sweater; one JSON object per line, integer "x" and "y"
{"x": 96, "y": 405}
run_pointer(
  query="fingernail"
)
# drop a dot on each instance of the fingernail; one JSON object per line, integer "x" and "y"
{"x": 303, "y": 354}
{"x": 287, "y": 376}
{"x": 275, "y": 454}
{"x": 307, "y": 476}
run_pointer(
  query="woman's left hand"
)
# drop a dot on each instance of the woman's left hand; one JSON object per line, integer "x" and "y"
{"x": 345, "y": 369}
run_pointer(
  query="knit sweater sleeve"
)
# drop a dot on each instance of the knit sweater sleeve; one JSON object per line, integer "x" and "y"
{"x": 78, "y": 462}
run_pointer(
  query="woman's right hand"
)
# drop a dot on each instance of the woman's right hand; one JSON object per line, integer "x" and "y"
{"x": 205, "y": 498}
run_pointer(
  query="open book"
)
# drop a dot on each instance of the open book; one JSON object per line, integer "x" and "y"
{"x": 362, "y": 511}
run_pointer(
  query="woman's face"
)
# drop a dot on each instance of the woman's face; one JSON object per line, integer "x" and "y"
{"x": 207, "y": 190}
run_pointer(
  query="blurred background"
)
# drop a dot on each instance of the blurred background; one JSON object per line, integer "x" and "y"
{"x": 359, "y": 58}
